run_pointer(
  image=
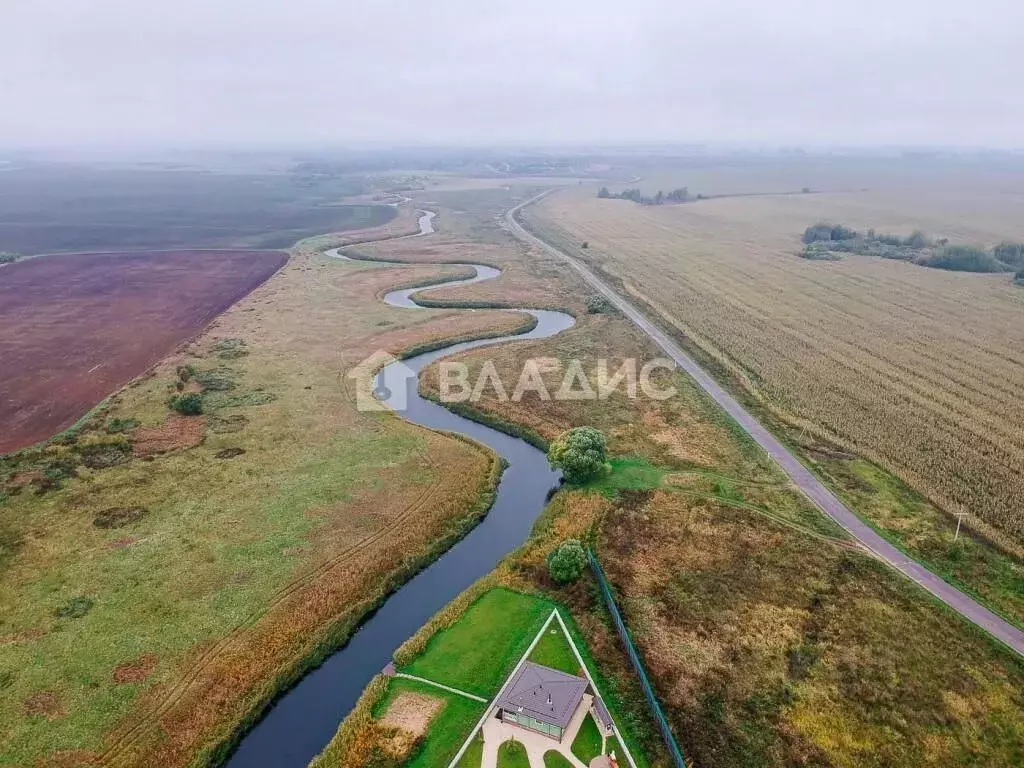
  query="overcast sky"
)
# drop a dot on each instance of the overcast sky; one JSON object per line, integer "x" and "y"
{"x": 247, "y": 72}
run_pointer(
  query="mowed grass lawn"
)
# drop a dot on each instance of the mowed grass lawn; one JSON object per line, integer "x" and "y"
{"x": 478, "y": 652}
{"x": 587, "y": 744}
{"x": 554, "y": 759}
{"x": 553, "y": 651}
{"x": 512, "y": 754}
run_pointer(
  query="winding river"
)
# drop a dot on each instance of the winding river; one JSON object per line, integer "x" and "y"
{"x": 301, "y": 722}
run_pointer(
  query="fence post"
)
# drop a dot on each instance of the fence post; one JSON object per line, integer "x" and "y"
{"x": 638, "y": 667}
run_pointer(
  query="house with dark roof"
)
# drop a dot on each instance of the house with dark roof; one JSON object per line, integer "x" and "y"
{"x": 541, "y": 699}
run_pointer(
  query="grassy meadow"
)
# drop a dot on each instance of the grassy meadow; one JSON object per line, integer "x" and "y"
{"x": 770, "y": 637}
{"x": 912, "y": 369}
{"x": 156, "y": 596}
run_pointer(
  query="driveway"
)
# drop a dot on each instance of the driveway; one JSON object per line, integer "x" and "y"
{"x": 497, "y": 733}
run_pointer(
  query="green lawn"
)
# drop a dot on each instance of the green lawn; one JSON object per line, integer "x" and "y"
{"x": 448, "y": 729}
{"x": 587, "y": 744}
{"x": 554, "y": 759}
{"x": 474, "y": 754}
{"x": 478, "y": 652}
{"x": 512, "y": 754}
{"x": 631, "y": 473}
{"x": 552, "y": 650}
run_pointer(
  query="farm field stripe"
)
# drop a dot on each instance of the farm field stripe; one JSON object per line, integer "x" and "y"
{"x": 798, "y": 473}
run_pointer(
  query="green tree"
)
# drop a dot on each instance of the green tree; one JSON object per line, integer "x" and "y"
{"x": 567, "y": 561}
{"x": 603, "y": 193}
{"x": 1009, "y": 253}
{"x": 581, "y": 454}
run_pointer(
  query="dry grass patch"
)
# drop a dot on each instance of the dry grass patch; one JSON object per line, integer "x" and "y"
{"x": 769, "y": 648}
{"x": 913, "y": 367}
{"x": 411, "y": 713}
{"x": 176, "y": 432}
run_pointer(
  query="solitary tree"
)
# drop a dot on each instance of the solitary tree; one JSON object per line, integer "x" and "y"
{"x": 581, "y": 454}
{"x": 566, "y": 561}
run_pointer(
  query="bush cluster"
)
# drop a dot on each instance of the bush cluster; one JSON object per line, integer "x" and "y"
{"x": 824, "y": 241}
{"x": 679, "y": 195}
{"x": 188, "y": 404}
{"x": 567, "y": 561}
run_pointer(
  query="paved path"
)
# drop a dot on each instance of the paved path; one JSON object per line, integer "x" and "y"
{"x": 800, "y": 475}
{"x": 496, "y": 733}
{"x": 443, "y": 687}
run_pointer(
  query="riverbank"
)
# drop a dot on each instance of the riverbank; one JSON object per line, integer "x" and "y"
{"x": 261, "y": 535}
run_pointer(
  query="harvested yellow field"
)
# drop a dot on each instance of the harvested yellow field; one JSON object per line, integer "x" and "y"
{"x": 918, "y": 369}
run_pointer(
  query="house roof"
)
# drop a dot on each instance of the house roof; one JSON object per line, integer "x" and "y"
{"x": 543, "y": 693}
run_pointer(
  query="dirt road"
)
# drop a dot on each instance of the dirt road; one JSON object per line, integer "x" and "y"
{"x": 803, "y": 478}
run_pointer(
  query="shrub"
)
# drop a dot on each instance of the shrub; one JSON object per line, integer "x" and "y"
{"x": 231, "y": 349}
{"x": 586, "y": 244}
{"x": 581, "y": 454}
{"x": 821, "y": 231}
{"x": 217, "y": 380}
{"x": 75, "y": 608}
{"x": 1010, "y": 253}
{"x": 598, "y": 304}
{"x": 116, "y": 426}
{"x": 189, "y": 404}
{"x": 963, "y": 258}
{"x": 8, "y": 258}
{"x": 917, "y": 239}
{"x": 567, "y": 561}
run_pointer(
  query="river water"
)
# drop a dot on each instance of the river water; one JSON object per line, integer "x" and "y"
{"x": 303, "y": 720}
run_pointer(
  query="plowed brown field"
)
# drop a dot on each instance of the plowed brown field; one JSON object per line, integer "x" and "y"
{"x": 75, "y": 328}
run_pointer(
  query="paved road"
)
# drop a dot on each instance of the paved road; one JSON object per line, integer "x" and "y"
{"x": 800, "y": 475}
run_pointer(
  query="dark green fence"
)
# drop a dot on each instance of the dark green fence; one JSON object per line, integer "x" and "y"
{"x": 634, "y": 658}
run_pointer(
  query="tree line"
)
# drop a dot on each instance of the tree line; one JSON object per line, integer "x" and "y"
{"x": 827, "y": 241}
{"x": 678, "y": 195}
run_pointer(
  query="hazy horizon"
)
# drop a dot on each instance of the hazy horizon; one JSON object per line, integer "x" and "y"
{"x": 309, "y": 73}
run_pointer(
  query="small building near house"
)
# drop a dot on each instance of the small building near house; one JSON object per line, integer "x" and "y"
{"x": 603, "y": 718}
{"x": 541, "y": 699}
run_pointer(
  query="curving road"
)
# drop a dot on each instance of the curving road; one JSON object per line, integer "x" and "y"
{"x": 798, "y": 473}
